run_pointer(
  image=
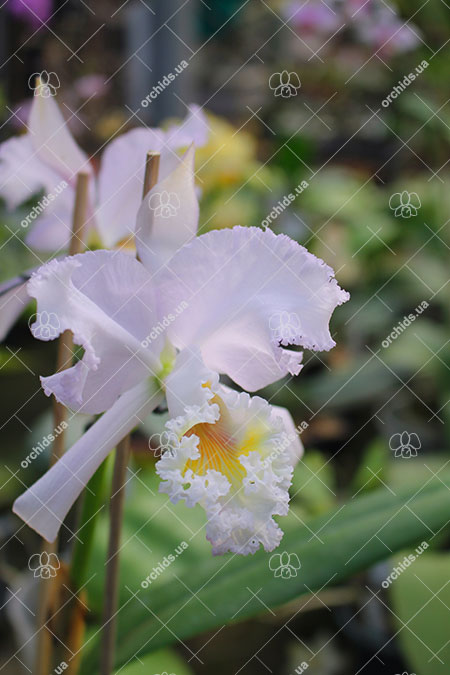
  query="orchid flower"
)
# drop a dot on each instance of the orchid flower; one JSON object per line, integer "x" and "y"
{"x": 233, "y": 454}
{"x": 47, "y": 155}
{"x": 48, "y": 158}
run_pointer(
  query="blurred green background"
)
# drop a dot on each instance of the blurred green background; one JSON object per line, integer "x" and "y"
{"x": 361, "y": 160}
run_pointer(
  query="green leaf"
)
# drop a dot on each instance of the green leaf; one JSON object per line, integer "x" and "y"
{"x": 152, "y": 529}
{"x": 372, "y": 468}
{"x": 421, "y": 601}
{"x": 331, "y": 548}
{"x": 164, "y": 660}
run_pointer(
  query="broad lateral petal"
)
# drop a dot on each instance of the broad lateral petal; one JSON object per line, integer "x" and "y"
{"x": 53, "y": 141}
{"x": 107, "y": 300}
{"x": 46, "y": 503}
{"x": 168, "y": 216}
{"x": 250, "y": 293}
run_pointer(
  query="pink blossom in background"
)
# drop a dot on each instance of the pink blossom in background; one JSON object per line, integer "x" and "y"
{"x": 371, "y": 22}
{"x": 34, "y": 12}
{"x": 313, "y": 17}
{"x": 88, "y": 86}
{"x": 386, "y": 32}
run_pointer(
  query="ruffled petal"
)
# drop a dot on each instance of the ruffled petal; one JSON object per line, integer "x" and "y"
{"x": 237, "y": 467}
{"x": 46, "y": 503}
{"x": 52, "y": 140}
{"x": 290, "y": 440}
{"x": 249, "y": 294}
{"x": 190, "y": 388}
{"x": 12, "y": 304}
{"x": 107, "y": 300}
{"x": 168, "y": 216}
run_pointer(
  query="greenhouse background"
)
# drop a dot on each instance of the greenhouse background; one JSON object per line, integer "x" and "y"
{"x": 327, "y": 121}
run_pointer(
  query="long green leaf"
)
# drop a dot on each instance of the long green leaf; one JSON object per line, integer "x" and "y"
{"x": 420, "y": 606}
{"x": 330, "y": 548}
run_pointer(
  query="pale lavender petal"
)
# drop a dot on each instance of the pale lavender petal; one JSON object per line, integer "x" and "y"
{"x": 22, "y": 173}
{"x": 46, "y": 503}
{"x": 249, "y": 293}
{"x": 120, "y": 182}
{"x": 53, "y": 141}
{"x": 107, "y": 300}
{"x": 168, "y": 216}
{"x": 52, "y": 230}
{"x": 193, "y": 129}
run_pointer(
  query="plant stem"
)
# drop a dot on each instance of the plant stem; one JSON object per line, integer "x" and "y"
{"x": 93, "y": 500}
{"x": 117, "y": 500}
{"x": 94, "y": 497}
{"x": 63, "y": 360}
{"x": 112, "y": 562}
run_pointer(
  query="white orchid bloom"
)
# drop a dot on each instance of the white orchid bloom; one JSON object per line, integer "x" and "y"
{"x": 232, "y": 456}
{"x": 47, "y": 154}
{"x": 42, "y": 159}
{"x": 48, "y": 158}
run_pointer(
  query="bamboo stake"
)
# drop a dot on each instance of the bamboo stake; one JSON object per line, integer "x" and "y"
{"x": 118, "y": 500}
{"x": 151, "y": 172}
{"x": 63, "y": 360}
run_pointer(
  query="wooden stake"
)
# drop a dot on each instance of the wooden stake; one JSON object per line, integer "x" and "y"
{"x": 118, "y": 500}
{"x": 151, "y": 172}
{"x": 44, "y": 649}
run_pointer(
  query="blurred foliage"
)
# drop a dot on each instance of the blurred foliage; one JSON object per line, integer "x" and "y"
{"x": 355, "y": 154}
